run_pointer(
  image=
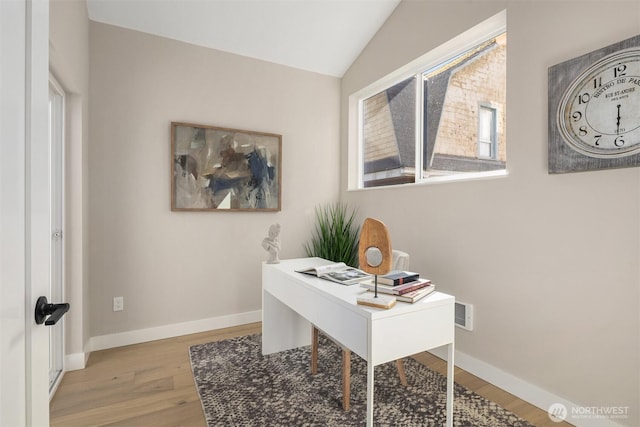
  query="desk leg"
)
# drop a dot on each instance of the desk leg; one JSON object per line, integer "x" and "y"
{"x": 370, "y": 394}
{"x": 314, "y": 350}
{"x": 450, "y": 373}
{"x": 346, "y": 379}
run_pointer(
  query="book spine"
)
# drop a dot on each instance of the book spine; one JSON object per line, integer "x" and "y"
{"x": 398, "y": 281}
{"x": 381, "y": 289}
{"x": 415, "y": 295}
{"x": 413, "y": 288}
{"x": 411, "y": 284}
{"x": 395, "y": 291}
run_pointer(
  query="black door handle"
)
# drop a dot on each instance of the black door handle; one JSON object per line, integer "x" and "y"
{"x": 44, "y": 309}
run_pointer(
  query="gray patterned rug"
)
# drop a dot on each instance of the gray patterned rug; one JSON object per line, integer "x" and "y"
{"x": 240, "y": 387}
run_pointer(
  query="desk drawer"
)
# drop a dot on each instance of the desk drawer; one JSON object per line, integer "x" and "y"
{"x": 344, "y": 326}
{"x": 410, "y": 333}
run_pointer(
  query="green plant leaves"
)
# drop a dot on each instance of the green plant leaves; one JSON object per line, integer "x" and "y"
{"x": 336, "y": 235}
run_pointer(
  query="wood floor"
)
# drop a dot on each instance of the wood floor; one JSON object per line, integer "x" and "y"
{"x": 151, "y": 384}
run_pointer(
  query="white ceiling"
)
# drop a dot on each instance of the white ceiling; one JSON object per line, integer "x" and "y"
{"x": 324, "y": 36}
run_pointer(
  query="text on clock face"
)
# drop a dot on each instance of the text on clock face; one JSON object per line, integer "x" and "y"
{"x": 606, "y": 112}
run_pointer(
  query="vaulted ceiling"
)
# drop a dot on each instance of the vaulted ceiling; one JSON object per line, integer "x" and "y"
{"x": 324, "y": 36}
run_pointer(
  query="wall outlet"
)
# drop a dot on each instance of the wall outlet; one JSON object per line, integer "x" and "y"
{"x": 118, "y": 303}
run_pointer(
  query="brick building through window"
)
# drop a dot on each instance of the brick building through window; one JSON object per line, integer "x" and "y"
{"x": 463, "y": 120}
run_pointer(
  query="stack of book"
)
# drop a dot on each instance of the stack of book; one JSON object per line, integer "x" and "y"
{"x": 405, "y": 286}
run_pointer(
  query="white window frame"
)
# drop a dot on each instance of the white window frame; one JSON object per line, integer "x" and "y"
{"x": 486, "y": 30}
{"x": 493, "y": 142}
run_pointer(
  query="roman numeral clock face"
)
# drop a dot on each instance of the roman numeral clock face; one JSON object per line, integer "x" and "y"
{"x": 599, "y": 114}
{"x": 594, "y": 110}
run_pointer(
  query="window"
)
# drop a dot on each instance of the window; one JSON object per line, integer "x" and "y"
{"x": 389, "y": 134}
{"x": 487, "y": 133}
{"x": 443, "y": 115}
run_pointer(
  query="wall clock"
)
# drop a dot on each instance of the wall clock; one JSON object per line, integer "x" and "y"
{"x": 594, "y": 110}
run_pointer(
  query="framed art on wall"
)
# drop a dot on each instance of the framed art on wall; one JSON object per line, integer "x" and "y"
{"x": 221, "y": 169}
{"x": 594, "y": 110}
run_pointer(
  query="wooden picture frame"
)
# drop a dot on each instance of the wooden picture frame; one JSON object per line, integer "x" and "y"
{"x": 222, "y": 169}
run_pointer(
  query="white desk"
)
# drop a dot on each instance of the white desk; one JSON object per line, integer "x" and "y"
{"x": 292, "y": 301}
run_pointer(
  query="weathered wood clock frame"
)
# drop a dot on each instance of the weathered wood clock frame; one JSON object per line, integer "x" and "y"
{"x": 574, "y": 143}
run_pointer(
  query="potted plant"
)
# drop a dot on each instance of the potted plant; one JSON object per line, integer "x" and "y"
{"x": 336, "y": 235}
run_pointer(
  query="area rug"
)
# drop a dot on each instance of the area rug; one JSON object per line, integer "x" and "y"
{"x": 238, "y": 386}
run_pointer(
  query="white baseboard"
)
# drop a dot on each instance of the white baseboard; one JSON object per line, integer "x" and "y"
{"x": 528, "y": 392}
{"x": 75, "y": 361}
{"x": 174, "y": 330}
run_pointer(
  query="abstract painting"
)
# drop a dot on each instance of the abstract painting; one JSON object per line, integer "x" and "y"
{"x": 220, "y": 169}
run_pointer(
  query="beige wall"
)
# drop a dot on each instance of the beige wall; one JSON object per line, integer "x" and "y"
{"x": 174, "y": 267}
{"x": 69, "y": 63}
{"x": 551, "y": 263}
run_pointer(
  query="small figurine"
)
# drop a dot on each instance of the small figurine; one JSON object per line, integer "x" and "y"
{"x": 272, "y": 244}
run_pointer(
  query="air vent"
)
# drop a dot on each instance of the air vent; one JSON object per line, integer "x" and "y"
{"x": 464, "y": 315}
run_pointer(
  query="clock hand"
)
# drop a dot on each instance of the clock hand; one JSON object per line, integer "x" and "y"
{"x": 618, "y": 122}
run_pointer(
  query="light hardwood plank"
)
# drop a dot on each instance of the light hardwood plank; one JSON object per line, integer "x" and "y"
{"x": 525, "y": 410}
{"x": 152, "y": 384}
{"x": 143, "y": 384}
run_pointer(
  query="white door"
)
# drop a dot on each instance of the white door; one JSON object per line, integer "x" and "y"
{"x": 24, "y": 211}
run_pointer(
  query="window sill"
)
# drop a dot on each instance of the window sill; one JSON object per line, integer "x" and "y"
{"x": 467, "y": 176}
